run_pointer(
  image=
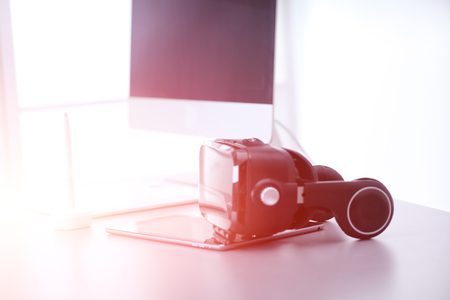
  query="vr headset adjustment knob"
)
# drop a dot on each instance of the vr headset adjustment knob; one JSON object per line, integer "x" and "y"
{"x": 270, "y": 196}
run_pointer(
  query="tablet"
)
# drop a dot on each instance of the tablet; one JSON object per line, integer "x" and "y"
{"x": 195, "y": 231}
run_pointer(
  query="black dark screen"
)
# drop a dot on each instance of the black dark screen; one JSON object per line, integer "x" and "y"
{"x": 220, "y": 50}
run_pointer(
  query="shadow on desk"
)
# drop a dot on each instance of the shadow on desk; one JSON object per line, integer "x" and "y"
{"x": 320, "y": 265}
{"x": 323, "y": 265}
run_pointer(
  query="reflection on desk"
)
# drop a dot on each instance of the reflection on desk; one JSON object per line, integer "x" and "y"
{"x": 408, "y": 261}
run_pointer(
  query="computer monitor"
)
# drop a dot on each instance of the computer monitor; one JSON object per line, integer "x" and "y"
{"x": 203, "y": 67}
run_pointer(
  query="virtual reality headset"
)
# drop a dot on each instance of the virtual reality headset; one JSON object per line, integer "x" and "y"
{"x": 250, "y": 189}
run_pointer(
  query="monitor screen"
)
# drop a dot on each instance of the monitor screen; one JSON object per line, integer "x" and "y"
{"x": 203, "y": 67}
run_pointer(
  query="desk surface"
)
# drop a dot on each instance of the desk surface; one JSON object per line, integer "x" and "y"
{"x": 410, "y": 260}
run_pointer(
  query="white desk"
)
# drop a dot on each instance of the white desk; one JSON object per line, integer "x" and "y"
{"x": 410, "y": 260}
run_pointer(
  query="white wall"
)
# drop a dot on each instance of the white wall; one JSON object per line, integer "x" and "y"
{"x": 370, "y": 91}
{"x": 70, "y": 52}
